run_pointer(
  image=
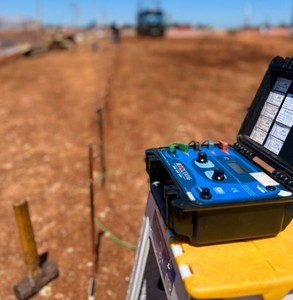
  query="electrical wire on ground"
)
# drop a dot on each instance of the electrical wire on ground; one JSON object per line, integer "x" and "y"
{"x": 113, "y": 237}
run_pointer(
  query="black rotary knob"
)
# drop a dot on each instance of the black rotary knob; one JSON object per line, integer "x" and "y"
{"x": 218, "y": 174}
{"x": 205, "y": 194}
{"x": 202, "y": 157}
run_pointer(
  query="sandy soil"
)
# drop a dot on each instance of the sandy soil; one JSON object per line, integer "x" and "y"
{"x": 154, "y": 92}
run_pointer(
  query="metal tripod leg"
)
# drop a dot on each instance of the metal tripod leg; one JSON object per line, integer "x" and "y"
{"x": 140, "y": 262}
{"x": 145, "y": 280}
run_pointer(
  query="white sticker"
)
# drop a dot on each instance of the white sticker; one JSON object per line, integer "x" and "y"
{"x": 288, "y": 103}
{"x": 273, "y": 144}
{"x": 258, "y": 135}
{"x": 280, "y": 131}
{"x": 264, "y": 178}
{"x": 271, "y": 114}
{"x": 269, "y": 110}
{"x": 264, "y": 123}
{"x": 285, "y": 117}
{"x": 282, "y": 84}
{"x": 275, "y": 98}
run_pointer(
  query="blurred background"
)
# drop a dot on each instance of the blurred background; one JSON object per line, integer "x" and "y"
{"x": 242, "y": 13}
{"x": 161, "y": 71}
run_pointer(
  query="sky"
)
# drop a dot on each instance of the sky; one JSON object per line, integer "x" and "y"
{"x": 216, "y": 13}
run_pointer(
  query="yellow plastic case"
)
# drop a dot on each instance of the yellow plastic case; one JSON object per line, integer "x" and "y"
{"x": 256, "y": 267}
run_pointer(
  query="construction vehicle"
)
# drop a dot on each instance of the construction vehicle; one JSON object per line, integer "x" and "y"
{"x": 150, "y": 23}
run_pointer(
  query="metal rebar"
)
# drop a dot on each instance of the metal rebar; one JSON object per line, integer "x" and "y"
{"x": 99, "y": 111}
{"x": 92, "y": 209}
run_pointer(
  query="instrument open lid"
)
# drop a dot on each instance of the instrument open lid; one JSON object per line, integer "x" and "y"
{"x": 267, "y": 129}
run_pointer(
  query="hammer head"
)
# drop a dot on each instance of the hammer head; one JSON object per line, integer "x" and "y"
{"x": 28, "y": 287}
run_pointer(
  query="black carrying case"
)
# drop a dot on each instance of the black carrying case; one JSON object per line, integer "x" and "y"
{"x": 235, "y": 221}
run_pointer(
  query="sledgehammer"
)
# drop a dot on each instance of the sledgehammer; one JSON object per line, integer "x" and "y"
{"x": 40, "y": 272}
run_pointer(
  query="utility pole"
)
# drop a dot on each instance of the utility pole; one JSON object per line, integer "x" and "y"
{"x": 75, "y": 10}
{"x": 38, "y": 7}
{"x": 247, "y": 15}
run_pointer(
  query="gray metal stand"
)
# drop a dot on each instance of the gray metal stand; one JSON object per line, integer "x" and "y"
{"x": 156, "y": 275}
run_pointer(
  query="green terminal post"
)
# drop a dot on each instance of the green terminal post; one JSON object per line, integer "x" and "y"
{"x": 172, "y": 149}
{"x": 181, "y": 146}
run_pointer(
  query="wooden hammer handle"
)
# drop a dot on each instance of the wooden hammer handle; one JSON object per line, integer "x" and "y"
{"x": 27, "y": 239}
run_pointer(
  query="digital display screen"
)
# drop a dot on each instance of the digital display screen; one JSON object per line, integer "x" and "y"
{"x": 237, "y": 168}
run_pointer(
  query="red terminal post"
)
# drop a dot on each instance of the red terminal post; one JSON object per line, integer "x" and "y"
{"x": 223, "y": 146}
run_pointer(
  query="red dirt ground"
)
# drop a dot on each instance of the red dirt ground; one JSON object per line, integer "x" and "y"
{"x": 154, "y": 92}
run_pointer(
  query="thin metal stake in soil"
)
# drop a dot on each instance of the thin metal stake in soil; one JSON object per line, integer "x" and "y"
{"x": 92, "y": 209}
{"x": 92, "y": 284}
{"x": 99, "y": 111}
{"x": 92, "y": 288}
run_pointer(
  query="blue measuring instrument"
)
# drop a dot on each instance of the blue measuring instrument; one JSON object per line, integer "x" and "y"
{"x": 215, "y": 192}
